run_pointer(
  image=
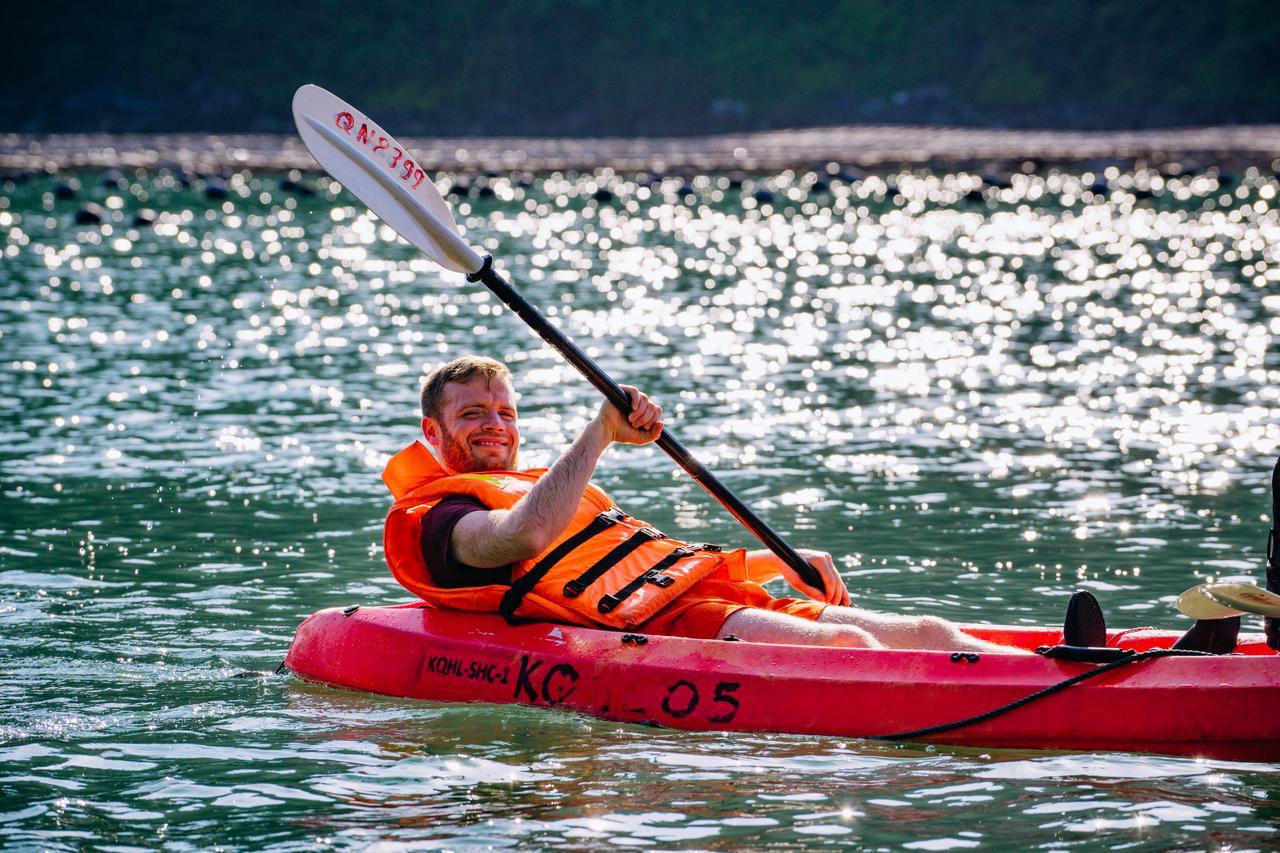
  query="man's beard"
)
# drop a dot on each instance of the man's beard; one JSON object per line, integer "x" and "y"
{"x": 461, "y": 457}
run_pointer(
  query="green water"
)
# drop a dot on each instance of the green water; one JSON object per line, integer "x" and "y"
{"x": 977, "y": 401}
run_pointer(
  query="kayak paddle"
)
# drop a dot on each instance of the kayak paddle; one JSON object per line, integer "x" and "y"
{"x": 1220, "y": 600}
{"x": 366, "y": 160}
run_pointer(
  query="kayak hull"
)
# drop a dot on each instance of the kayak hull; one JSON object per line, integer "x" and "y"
{"x": 1216, "y": 707}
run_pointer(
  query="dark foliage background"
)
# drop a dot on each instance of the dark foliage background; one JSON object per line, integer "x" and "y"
{"x": 581, "y": 67}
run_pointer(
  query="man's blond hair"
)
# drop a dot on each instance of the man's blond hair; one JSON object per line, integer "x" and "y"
{"x": 462, "y": 369}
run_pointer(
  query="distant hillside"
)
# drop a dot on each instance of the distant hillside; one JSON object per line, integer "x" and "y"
{"x": 597, "y": 67}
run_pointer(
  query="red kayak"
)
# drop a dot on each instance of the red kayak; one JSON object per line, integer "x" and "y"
{"x": 1213, "y": 706}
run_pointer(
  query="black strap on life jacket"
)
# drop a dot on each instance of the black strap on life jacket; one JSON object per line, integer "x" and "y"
{"x": 521, "y": 586}
{"x": 653, "y": 575}
{"x": 578, "y": 585}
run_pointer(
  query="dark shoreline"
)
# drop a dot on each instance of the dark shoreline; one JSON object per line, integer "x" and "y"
{"x": 871, "y": 147}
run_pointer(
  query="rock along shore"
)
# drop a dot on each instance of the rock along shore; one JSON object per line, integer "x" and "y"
{"x": 870, "y": 147}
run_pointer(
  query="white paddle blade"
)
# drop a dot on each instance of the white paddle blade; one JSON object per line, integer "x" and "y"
{"x": 1197, "y": 603}
{"x": 1245, "y": 597}
{"x": 380, "y": 172}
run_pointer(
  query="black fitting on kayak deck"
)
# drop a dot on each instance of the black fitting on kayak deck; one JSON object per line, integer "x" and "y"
{"x": 1084, "y": 654}
{"x": 638, "y": 639}
{"x": 1132, "y": 657}
{"x": 347, "y": 611}
{"x": 965, "y": 657}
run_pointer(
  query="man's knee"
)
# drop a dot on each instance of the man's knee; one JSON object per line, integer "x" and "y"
{"x": 762, "y": 626}
{"x": 896, "y": 629}
{"x": 936, "y": 628}
{"x": 935, "y": 625}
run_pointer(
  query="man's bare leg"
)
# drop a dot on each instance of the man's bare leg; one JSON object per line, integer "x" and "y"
{"x": 899, "y": 631}
{"x": 853, "y": 627}
{"x": 763, "y": 626}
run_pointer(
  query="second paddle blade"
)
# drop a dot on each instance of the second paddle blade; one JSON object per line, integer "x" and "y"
{"x": 1245, "y": 597}
{"x": 1198, "y": 604}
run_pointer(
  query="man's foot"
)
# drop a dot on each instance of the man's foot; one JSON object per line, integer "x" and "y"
{"x": 1084, "y": 624}
{"x": 1216, "y": 636}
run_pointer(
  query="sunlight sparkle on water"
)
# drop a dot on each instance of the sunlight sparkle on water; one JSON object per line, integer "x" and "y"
{"x": 978, "y": 392}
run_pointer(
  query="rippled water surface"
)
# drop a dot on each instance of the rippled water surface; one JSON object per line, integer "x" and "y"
{"x": 978, "y": 395}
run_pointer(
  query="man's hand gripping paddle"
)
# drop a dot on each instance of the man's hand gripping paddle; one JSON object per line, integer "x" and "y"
{"x": 366, "y": 160}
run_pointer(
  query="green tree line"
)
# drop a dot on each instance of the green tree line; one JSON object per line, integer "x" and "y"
{"x": 641, "y": 67}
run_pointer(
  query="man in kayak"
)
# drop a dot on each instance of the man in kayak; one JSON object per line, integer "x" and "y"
{"x": 467, "y": 532}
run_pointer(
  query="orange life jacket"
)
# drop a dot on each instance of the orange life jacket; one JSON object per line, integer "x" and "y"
{"x": 606, "y": 569}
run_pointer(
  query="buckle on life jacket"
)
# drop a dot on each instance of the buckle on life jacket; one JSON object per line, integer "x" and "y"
{"x": 526, "y": 582}
{"x": 653, "y": 575}
{"x": 578, "y": 585}
{"x": 608, "y": 602}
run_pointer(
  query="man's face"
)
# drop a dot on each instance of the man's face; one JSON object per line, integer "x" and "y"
{"x": 477, "y": 427}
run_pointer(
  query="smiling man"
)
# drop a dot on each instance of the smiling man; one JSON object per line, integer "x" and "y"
{"x": 470, "y": 530}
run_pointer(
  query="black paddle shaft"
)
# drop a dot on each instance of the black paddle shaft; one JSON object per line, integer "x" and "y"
{"x": 584, "y": 364}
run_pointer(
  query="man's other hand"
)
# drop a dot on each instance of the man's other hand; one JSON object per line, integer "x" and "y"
{"x": 642, "y": 426}
{"x": 836, "y": 592}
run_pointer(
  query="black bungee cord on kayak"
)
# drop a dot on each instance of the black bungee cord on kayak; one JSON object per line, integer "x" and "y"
{"x": 1134, "y": 657}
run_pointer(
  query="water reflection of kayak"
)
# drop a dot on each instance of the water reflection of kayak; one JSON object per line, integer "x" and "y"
{"x": 1218, "y": 706}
